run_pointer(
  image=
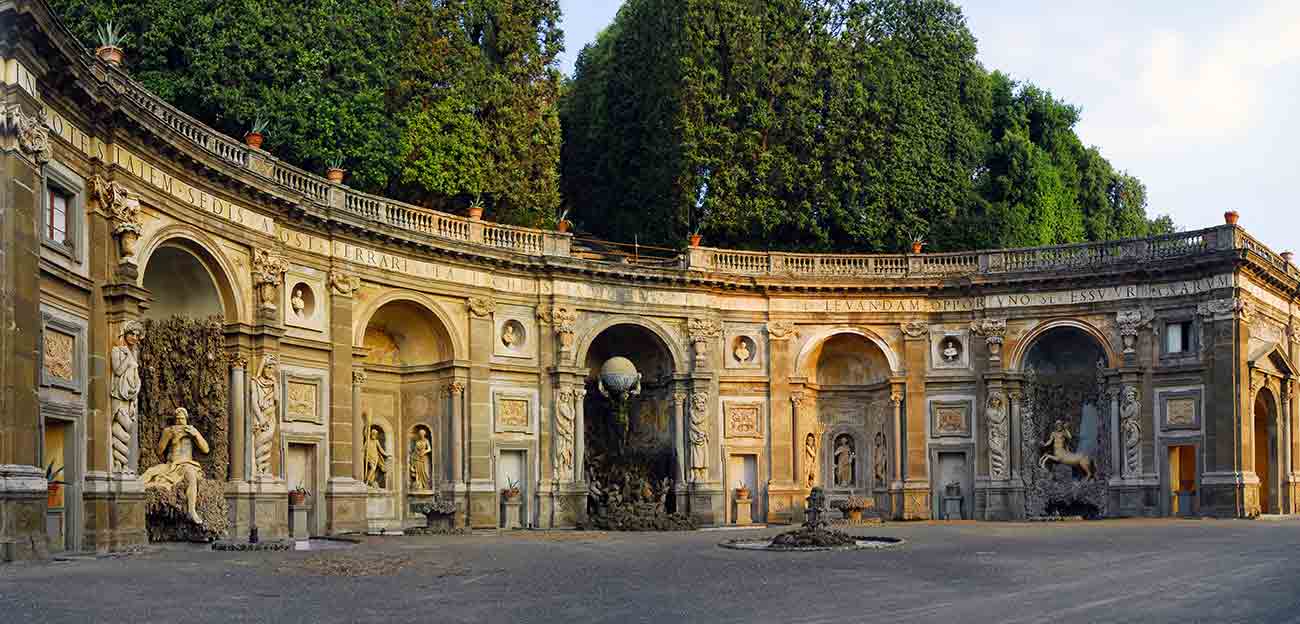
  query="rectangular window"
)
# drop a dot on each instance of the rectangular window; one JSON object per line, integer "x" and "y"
{"x": 1178, "y": 337}
{"x": 56, "y": 217}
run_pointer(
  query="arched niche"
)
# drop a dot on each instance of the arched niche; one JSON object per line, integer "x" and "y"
{"x": 1065, "y": 412}
{"x": 1019, "y": 359}
{"x": 634, "y": 438}
{"x": 186, "y": 279}
{"x": 646, "y": 331}
{"x": 850, "y": 348}
{"x": 404, "y": 333}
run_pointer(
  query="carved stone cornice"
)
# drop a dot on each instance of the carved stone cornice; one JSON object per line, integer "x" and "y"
{"x": 1226, "y": 308}
{"x": 482, "y": 307}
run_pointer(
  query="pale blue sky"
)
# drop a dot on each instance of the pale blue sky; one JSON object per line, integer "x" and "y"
{"x": 1198, "y": 98}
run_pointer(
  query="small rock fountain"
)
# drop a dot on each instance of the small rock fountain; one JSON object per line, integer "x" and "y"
{"x": 815, "y": 534}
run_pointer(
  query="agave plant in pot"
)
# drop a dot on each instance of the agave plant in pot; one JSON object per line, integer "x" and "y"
{"x": 510, "y": 492}
{"x": 256, "y": 134}
{"x": 334, "y": 171}
{"x": 298, "y": 496}
{"x": 562, "y": 223}
{"x": 742, "y": 492}
{"x": 111, "y": 39}
{"x": 53, "y": 486}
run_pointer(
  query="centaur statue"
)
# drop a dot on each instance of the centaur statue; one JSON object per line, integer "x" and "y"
{"x": 1061, "y": 452}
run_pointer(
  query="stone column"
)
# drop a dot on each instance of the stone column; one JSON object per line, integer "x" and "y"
{"x": 916, "y": 480}
{"x": 24, "y": 149}
{"x": 896, "y": 456}
{"x": 358, "y": 429}
{"x": 784, "y": 493}
{"x": 238, "y": 418}
{"x": 579, "y": 432}
{"x": 679, "y": 436}
{"x": 1227, "y": 410}
{"x": 342, "y": 439}
{"x": 453, "y": 395}
{"x": 483, "y": 507}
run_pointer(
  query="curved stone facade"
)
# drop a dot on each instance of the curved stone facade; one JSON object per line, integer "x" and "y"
{"x": 884, "y": 376}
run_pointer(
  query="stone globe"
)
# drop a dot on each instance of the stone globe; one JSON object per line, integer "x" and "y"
{"x": 619, "y": 377}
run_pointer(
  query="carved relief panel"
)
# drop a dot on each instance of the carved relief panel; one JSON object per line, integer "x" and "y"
{"x": 743, "y": 348}
{"x": 742, "y": 419}
{"x": 1179, "y": 408}
{"x": 950, "y": 418}
{"x": 62, "y": 352}
{"x": 512, "y": 412}
{"x": 304, "y": 396}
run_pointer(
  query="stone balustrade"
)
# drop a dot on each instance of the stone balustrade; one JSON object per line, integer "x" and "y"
{"x": 315, "y": 190}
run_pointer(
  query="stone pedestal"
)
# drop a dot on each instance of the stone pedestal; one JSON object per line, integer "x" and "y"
{"x": 269, "y": 498}
{"x": 706, "y": 504}
{"x": 22, "y": 513}
{"x": 570, "y": 506}
{"x": 298, "y": 521}
{"x": 345, "y": 506}
{"x": 743, "y": 515}
{"x": 783, "y": 503}
{"x": 952, "y": 508}
{"x": 114, "y": 510}
{"x": 512, "y": 510}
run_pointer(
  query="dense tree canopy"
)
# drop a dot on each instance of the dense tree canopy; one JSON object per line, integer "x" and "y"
{"x": 784, "y": 124}
{"x": 435, "y": 102}
{"x": 825, "y": 124}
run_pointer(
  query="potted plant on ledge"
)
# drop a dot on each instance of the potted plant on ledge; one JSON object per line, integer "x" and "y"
{"x": 255, "y": 135}
{"x": 53, "y": 485}
{"x": 510, "y": 493}
{"x": 476, "y": 207}
{"x": 110, "y": 43}
{"x": 334, "y": 172}
{"x": 437, "y": 512}
{"x": 562, "y": 224}
{"x": 742, "y": 492}
{"x": 918, "y": 243}
{"x": 853, "y": 506}
{"x": 298, "y": 496}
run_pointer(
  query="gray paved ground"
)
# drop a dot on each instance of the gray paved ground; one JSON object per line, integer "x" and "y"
{"x": 1148, "y": 571}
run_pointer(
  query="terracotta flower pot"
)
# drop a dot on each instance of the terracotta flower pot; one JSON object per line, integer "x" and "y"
{"x": 52, "y": 495}
{"x": 254, "y": 140}
{"x": 334, "y": 174}
{"x": 916, "y": 247}
{"x": 695, "y": 239}
{"x": 109, "y": 54}
{"x": 297, "y": 499}
{"x": 1230, "y": 217}
{"x": 854, "y": 515}
{"x": 563, "y": 226}
{"x": 476, "y": 212}
{"x": 742, "y": 494}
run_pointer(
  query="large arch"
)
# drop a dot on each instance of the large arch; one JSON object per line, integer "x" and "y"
{"x": 1016, "y": 359}
{"x": 675, "y": 350}
{"x": 443, "y": 328}
{"x": 1264, "y": 438}
{"x": 168, "y": 243}
{"x": 805, "y": 362}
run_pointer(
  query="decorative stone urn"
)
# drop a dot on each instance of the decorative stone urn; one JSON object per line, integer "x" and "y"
{"x": 334, "y": 174}
{"x": 1230, "y": 217}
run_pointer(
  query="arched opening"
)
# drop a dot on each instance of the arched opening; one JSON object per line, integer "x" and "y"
{"x": 1265, "y": 416}
{"x": 182, "y": 368}
{"x": 408, "y": 354}
{"x": 1065, "y": 423}
{"x": 848, "y": 378}
{"x": 628, "y": 430}
{"x": 181, "y": 285}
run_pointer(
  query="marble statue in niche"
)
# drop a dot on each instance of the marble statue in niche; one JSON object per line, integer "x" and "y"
{"x": 181, "y": 439}
{"x": 125, "y": 392}
{"x": 744, "y": 350}
{"x": 298, "y": 304}
{"x": 950, "y": 349}
{"x": 421, "y": 454}
{"x": 266, "y": 398}
{"x": 376, "y": 459}
{"x": 845, "y": 460}
{"x": 508, "y": 336}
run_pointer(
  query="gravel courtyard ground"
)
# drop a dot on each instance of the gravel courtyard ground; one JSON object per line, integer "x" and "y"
{"x": 1109, "y": 571}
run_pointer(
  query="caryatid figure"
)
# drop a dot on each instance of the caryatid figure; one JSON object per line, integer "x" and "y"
{"x": 125, "y": 393}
